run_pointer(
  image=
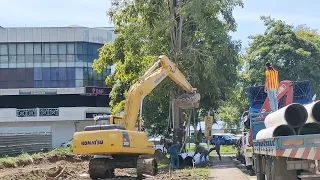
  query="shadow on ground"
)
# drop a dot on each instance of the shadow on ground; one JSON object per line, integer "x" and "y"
{"x": 241, "y": 166}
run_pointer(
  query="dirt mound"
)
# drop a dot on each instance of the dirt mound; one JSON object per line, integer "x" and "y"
{"x": 59, "y": 170}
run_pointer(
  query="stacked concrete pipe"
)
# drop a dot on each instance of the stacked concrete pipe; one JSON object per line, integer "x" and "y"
{"x": 283, "y": 121}
{"x": 312, "y": 125}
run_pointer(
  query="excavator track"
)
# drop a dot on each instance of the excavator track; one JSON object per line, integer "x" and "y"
{"x": 101, "y": 168}
{"x": 146, "y": 166}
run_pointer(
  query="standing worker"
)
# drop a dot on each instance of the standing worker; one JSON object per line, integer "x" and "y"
{"x": 173, "y": 151}
{"x": 271, "y": 86}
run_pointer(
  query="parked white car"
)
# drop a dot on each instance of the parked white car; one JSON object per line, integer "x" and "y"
{"x": 157, "y": 145}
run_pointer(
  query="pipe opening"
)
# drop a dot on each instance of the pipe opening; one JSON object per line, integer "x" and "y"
{"x": 316, "y": 111}
{"x": 309, "y": 128}
{"x": 283, "y": 130}
{"x": 296, "y": 115}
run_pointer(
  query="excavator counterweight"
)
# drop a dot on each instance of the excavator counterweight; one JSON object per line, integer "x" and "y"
{"x": 118, "y": 144}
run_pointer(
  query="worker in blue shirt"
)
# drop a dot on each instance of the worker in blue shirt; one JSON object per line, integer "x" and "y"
{"x": 217, "y": 147}
{"x": 173, "y": 151}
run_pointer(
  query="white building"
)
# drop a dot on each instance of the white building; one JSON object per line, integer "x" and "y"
{"x": 47, "y": 84}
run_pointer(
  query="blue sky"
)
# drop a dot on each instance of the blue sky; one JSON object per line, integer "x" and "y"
{"x": 92, "y": 13}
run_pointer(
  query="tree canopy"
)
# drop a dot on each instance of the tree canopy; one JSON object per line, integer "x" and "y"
{"x": 293, "y": 51}
{"x": 192, "y": 33}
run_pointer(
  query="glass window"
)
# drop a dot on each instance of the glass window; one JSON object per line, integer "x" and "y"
{"x": 3, "y": 49}
{"x": 46, "y": 48}
{"x": 85, "y": 48}
{"x": 54, "y": 84}
{"x": 4, "y": 59}
{"x": 79, "y": 73}
{"x": 62, "y": 84}
{"x": 70, "y": 58}
{"x": 20, "y": 48}
{"x": 71, "y": 83}
{"x": 53, "y": 48}
{"x": 28, "y": 48}
{"x": 62, "y": 58}
{"x": 70, "y": 48}
{"x": 85, "y": 82}
{"x": 37, "y": 58}
{"x": 47, "y": 84}
{"x": 62, "y": 73}
{"x": 54, "y": 73}
{"x": 80, "y": 58}
{"x": 54, "y": 58}
{"x": 70, "y": 73}
{"x": 12, "y": 49}
{"x": 37, "y": 74}
{"x": 85, "y": 73}
{"x": 46, "y": 74}
{"x": 12, "y": 59}
{"x": 38, "y": 84}
{"x": 79, "y": 83}
{"x": 20, "y": 59}
{"x": 46, "y": 58}
{"x": 90, "y": 47}
{"x": 37, "y": 48}
{"x": 79, "y": 48}
{"x": 62, "y": 48}
{"x": 29, "y": 58}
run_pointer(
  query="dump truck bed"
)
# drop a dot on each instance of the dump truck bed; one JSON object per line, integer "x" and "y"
{"x": 297, "y": 146}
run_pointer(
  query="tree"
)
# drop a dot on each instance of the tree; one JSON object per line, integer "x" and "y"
{"x": 194, "y": 34}
{"x": 293, "y": 51}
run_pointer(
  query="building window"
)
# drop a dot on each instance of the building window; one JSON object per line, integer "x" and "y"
{"x": 12, "y": 49}
{"x": 29, "y": 48}
{"x": 3, "y": 49}
{"x": 62, "y": 48}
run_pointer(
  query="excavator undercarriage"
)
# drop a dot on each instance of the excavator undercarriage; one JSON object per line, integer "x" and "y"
{"x": 104, "y": 166}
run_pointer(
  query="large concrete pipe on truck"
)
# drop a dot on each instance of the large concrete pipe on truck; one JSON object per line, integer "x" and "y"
{"x": 313, "y": 110}
{"x": 293, "y": 114}
{"x": 280, "y": 130}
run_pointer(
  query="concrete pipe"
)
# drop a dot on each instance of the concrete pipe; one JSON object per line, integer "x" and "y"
{"x": 281, "y": 130}
{"x": 309, "y": 128}
{"x": 188, "y": 160}
{"x": 313, "y": 110}
{"x": 294, "y": 115}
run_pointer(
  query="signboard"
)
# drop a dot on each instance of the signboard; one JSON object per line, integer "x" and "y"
{"x": 92, "y": 115}
{"x": 97, "y": 90}
{"x": 37, "y": 91}
{"x": 208, "y": 126}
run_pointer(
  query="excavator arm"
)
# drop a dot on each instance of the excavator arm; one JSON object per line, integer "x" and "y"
{"x": 146, "y": 83}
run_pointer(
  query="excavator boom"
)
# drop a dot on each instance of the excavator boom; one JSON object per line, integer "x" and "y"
{"x": 146, "y": 83}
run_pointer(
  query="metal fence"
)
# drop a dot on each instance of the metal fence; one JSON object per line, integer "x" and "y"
{"x": 14, "y": 143}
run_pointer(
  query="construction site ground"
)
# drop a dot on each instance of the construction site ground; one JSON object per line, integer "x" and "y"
{"x": 68, "y": 166}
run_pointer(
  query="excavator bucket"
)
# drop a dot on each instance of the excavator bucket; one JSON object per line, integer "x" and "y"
{"x": 188, "y": 101}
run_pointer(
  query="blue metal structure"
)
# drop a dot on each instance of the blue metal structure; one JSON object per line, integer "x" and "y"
{"x": 256, "y": 97}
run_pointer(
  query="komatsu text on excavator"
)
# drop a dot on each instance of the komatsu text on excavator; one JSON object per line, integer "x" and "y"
{"x": 118, "y": 144}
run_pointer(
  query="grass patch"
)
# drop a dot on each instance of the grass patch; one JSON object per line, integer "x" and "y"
{"x": 223, "y": 148}
{"x": 200, "y": 172}
{"x": 26, "y": 159}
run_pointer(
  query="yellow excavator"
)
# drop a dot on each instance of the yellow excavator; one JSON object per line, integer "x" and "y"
{"x": 118, "y": 143}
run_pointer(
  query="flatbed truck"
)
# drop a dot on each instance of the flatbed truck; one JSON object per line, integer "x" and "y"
{"x": 283, "y": 157}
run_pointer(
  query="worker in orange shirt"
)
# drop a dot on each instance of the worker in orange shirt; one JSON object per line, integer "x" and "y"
{"x": 271, "y": 86}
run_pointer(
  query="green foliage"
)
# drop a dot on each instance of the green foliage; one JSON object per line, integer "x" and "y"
{"x": 294, "y": 52}
{"x": 193, "y": 34}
